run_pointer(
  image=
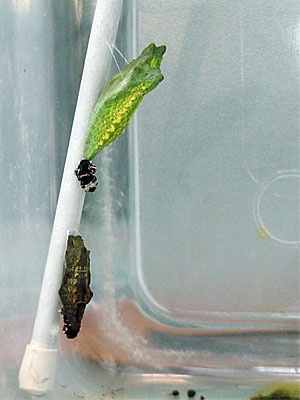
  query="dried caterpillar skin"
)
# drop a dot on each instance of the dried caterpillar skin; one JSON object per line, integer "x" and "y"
{"x": 75, "y": 292}
{"x": 121, "y": 97}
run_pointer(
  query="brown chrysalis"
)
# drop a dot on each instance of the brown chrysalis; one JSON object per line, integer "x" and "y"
{"x": 74, "y": 291}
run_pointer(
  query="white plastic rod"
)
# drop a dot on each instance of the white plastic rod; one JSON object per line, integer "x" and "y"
{"x": 36, "y": 375}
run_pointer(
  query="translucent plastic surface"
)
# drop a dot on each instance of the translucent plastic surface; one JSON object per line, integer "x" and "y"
{"x": 194, "y": 227}
{"x": 219, "y": 160}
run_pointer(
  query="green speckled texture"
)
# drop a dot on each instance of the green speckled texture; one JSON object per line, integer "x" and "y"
{"x": 121, "y": 97}
{"x": 278, "y": 390}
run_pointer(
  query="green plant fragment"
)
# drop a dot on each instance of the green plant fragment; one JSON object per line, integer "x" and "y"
{"x": 278, "y": 390}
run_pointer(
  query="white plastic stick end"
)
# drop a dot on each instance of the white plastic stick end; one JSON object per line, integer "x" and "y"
{"x": 37, "y": 372}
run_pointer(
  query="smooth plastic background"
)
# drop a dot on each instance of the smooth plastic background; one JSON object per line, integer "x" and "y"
{"x": 194, "y": 228}
{"x": 219, "y": 159}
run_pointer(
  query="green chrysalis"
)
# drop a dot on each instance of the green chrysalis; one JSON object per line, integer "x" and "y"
{"x": 121, "y": 97}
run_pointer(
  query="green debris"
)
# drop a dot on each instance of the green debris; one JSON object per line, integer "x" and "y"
{"x": 278, "y": 390}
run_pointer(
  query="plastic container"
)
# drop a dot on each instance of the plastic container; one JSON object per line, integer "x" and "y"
{"x": 194, "y": 228}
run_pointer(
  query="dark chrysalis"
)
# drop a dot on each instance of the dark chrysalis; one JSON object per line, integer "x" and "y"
{"x": 85, "y": 174}
{"x": 74, "y": 291}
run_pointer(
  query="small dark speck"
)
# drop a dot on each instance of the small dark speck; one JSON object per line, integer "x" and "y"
{"x": 175, "y": 392}
{"x": 202, "y": 398}
{"x": 191, "y": 393}
{"x": 24, "y": 69}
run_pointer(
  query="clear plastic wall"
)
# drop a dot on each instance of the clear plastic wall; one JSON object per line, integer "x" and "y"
{"x": 194, "y": 228}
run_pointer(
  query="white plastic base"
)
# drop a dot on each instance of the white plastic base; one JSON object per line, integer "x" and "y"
{"x": 37, "y": 372}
